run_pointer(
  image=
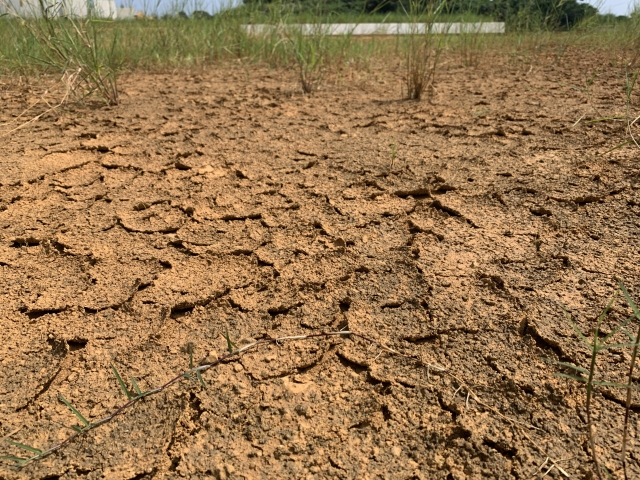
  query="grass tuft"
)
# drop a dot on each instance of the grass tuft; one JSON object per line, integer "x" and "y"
{"x": 422, "y": 49}
{"x": 87, "y": 48}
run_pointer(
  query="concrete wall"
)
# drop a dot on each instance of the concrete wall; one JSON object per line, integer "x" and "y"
{"x": 381, "y": 28}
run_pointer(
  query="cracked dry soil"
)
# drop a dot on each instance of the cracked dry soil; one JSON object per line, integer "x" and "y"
{"x": 225, "y": 199}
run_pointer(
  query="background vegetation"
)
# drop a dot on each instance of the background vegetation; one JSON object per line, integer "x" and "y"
{"x": 89, "y": 54}
{"x": 518, "y": 14}
{"x": 175, "y": 39}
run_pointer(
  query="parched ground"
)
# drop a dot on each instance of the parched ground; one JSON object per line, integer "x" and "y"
{"x": 452, "y": 231}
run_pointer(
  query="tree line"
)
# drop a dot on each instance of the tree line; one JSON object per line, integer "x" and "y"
{"x": 518, "y": 14}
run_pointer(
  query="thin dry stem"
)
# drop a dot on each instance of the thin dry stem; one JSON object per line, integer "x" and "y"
{"x": 204, "y": 367}
{"x": 69, "y": 80}
{"x": 206, "y": 364}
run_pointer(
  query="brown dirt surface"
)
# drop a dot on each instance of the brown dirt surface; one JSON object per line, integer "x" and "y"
{"x": 226, "y": 199}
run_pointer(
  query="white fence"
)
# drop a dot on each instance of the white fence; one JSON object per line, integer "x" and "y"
{"x": 379, "y": 28}
{"x": 59, "y": 8}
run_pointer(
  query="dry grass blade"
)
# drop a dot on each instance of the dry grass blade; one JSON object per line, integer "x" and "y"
{"x": 69, "y": 81}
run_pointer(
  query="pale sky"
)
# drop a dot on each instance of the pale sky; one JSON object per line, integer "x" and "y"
{"x": 617, "y": 7}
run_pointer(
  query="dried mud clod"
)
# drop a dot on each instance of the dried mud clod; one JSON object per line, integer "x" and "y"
{"x": 275, "y": 215}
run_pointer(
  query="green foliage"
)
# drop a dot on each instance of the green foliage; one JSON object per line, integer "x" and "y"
{"x": 538, "y": 14}
{"x": 178, "y": 42}
{"x": 322, "y": 7}
{"x": 518, "y": 14}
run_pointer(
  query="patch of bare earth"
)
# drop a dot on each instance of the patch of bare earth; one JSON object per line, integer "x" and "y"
{"x": 223, "y": 199}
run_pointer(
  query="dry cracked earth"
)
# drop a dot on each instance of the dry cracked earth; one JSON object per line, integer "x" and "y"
{"x": 452, "y": 231}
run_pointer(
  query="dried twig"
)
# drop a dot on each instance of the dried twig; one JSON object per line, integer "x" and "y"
{"x": 195, "y": 373}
